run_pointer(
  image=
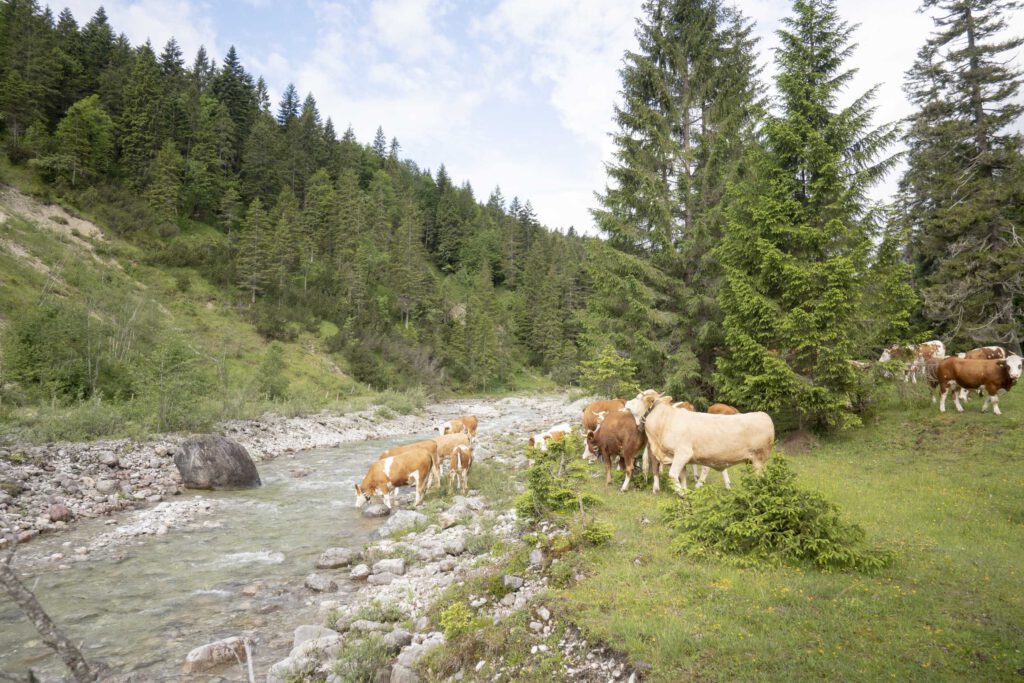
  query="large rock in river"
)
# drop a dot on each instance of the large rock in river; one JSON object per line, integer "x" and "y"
{"x": 213, "y": 462}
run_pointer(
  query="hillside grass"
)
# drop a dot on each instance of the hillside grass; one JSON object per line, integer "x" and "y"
{"x": 943, "y": 491}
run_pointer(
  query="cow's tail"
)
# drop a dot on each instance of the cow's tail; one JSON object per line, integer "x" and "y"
{"x": 646, "y": 458}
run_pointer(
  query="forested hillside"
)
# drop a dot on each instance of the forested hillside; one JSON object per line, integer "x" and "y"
{"x": 742, "y": 260}
{"x": 422, "y": 282}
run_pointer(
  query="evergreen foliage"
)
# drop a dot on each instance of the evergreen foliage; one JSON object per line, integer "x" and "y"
{"x": 961, "y": 191}
{"x": 769, "y": 519}
{"x": 555, "y": 480}
{"x": 796, "y": 240}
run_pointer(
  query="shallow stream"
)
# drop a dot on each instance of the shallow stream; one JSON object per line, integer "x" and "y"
{"x": 236, "y": 569}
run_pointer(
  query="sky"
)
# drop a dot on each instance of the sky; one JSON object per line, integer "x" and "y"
{"x": 511, "y": 93}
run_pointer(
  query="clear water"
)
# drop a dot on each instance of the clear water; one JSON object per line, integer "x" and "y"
{"x": 140, "y": 608}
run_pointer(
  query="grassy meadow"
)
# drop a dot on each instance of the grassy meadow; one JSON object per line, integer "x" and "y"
{"x": 943, "y": 491}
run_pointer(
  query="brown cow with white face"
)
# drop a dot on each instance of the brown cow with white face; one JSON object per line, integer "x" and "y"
{"x": 411, "y": 467}
{"x": 556, "y": 433}
{"x": 464, "y": 424}
{"x": 461, "y": 461}
{"x": 592, "y": 416}
{"x": 431, "y": 446}
{"x": 617, "y": 437}
{"x": 992, "y": 375}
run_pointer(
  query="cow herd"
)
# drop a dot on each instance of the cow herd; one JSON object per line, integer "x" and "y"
{"x": 419, "y": 464}
{"x": 674, "y": 434}
{"x": 989, "y": 369}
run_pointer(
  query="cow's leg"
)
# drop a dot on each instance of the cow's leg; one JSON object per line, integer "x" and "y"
{"x": 704, "y": 471}
{"x": 694, "y": 470}
{"x": 629, "y": 474}
{"x": 942, "y": 401}
{"x": 677, "y": 472}
{"x": 984, "y": 405}
{"x": 995, "y": 404}
{"x": 607, "y": 469}
{"x": 387, "y": 500}
{"x": 956, "y": 398}
{"x": 419, "y": 486}
{"x": 725, "y": 479}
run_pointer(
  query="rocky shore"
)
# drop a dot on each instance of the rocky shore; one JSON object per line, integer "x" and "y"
{"x": 44, "y": 488}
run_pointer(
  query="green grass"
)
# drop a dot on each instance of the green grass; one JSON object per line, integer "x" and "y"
{"x": 943, "y": 491}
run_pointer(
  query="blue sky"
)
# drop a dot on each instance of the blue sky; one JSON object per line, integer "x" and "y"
{"x": 516, "y": 93}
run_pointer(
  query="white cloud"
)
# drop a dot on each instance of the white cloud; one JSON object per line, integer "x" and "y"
{"x": 408, "y": 28}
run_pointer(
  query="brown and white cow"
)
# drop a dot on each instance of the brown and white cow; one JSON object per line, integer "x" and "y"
{"x": 992, "y": 375}
{"x": 592, "y": 416}
{"x": 411, "y": 467}
{"x": 466, "y": 424}
{"x": 556, "y": 433}
{"x": 617, "y": 437}
{"x": 678, "y": 437}
{"x": 445, "y": 445}
{"x": 461, "y": 461}
{"x": 916, "y": 357}
{"x": 981, "y": 353}
{"x": 431, "y": 446}
{"x": 722, "y": 409}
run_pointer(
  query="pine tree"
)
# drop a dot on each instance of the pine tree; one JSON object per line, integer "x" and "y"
{"x": 254, "y": 250}
{"x": 98, "y": 48}
{"x": 236, "y": 90}
{"x": 141, "y": 134}
{"x": 961, "y": 190}
{"x": 288, "y": 108}
{"x": 261, "y": 168}
{"x": 85, "y": 140}
{"x": 164, "y": 193}
{"x": 288, "y": 248}
{"x": 380, "y": 143}
{"x": 795, "y": 241}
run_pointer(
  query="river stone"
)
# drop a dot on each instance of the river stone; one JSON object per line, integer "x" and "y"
{"x": 537, "y": 558}
{"x": 109, "y": 458}
{"x": 332, "y": 558}
{"x": 397, "y": 639}
{"x": 403, "y": 674}
{"x": 320, "y": 583}
{"x": 325, "y": 647}
{"x": 395, "y": 566}
{"x": 311, "y": 632}
{"x": 455, "y": 546}
{"x": 59, "y": 513}
{"x": 281, "y": 672}
{"x": 213, "y": 462}
{"x": 206, "y": 657}
{"x": 401, "y": 521}
{"x": 367, "y": 625}
{"x": 360, "y": 571}
{"x": 376, "y": 510}
{"x": 106, "y": 486}
{"x": 512, "y": 581}
{"x": 380, "y": 579}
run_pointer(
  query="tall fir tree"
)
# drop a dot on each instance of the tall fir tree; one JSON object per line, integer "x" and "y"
{"x": 141, "y": 133}
{"x": 255, "y": 244}
{"x": 961, "y": 190}
{"x": 795, "y": 242}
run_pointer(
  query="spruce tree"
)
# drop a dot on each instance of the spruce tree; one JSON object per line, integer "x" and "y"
{"x": 795, "y": 243}
{"x": 85, "y": 141}
{"x": 380, "y": 143}
{"x": 288, "y": 107}
{"x": 961, "y": 190}
{"x": 141, "y": 133}
{"x": 164, "y": 193}
{"x": 254, "y": 250}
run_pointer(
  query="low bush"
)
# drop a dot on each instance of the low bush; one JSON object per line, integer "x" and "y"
{"x": 377, "y": 611}
{"x": 554, "y": 482}
{"x": 769, "y": 519}
{"x": 360, "y": 660}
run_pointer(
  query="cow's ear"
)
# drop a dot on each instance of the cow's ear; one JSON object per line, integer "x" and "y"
{"x": 1001, "y": 363}
{"x": 357, "y": 489}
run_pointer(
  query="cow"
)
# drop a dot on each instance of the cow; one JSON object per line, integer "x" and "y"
{"x": 718, "y": 441}
{"x": 980, "y": 353}
{"x": 463, "y": 424}
{"x": 431, "y": 446}
{"x": 916, "y": 357}
{"x": 722, "y": 409}
{"x": 461, "y": 461}
{"x": 592, "y": 416}
{"x": 993, "y": 375}
{"x": 411, "y": 467}
{"x": 714, "y": 409}
{"x": 617, "y": 437}
{"x": 684, "y": 405}
{"x": 445, "y": 445}
{"x": 556, "y": 433}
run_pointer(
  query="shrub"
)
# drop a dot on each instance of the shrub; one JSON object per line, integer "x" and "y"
{"x": 770, "y": 520}
{"x": 597, "y": 533}
{"x": 271, "y": 378}
{"x": 456, "y": 620}
{"x": 360, "y": 660}
{"x": 377, "y": 611}
{"x": 554, "y": 483}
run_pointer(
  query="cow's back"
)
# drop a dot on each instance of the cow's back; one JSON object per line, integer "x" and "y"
{"x": 969, "y": 373}
{"x": 445, "y": 444}
{"x": 429, "y": 444}
{"x": 618, "y": 433}
{"x": 590, "y": 413}
{"x": 710, "y": 435}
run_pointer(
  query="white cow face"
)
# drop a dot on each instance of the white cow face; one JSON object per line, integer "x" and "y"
{"x": 1014, "y": 364}
{"x": 361, "y": 497}
{"x": 639, "y": 405}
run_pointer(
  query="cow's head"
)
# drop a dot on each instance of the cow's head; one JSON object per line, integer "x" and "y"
{"x": 1014, "y": 365}
{"x": 532, "y": 442}
{"x": 361, "y": 497}
{"x": 642, "y": 403}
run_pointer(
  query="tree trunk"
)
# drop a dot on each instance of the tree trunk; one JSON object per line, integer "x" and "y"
{"x": 51, "y": 634}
